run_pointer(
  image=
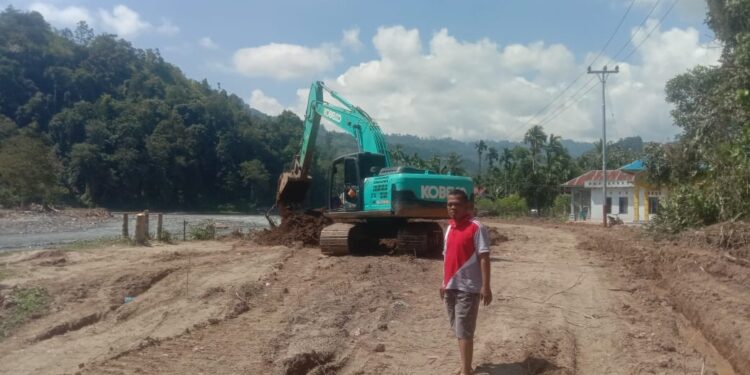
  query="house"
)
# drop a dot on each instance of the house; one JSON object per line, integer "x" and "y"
{"x": 629, "y": 196}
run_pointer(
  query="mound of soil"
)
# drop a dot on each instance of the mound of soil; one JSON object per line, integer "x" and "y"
{"x": 734, "y": 237}
{"x": 302, "y": 227}
{"x": 496, "y": 237}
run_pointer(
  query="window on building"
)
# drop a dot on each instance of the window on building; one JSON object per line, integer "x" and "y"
{"x": 653, "y": 205}
{"x": 608, "y": 205}
{"x": 623, "y": 203}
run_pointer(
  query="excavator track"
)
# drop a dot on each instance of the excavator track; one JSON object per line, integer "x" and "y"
{"x": 423, "y": 239}
{"x": 334, "y": 239}
{"x": 346, "y": 238}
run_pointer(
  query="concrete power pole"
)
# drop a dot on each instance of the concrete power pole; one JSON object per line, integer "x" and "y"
{"x": 602, "y": 75}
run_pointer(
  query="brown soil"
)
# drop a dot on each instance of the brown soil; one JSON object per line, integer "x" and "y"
{"x": 695, "y": 277}
{"x": 562, "y": 305}
{"x": 297, "y": 227}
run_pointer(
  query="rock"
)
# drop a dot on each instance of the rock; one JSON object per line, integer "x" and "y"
{"x": 383, "y": 326}
{"x": 379, "y": 348}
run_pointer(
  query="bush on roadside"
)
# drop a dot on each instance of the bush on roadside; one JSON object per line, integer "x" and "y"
{"x": 512, "y": 206}
{"x": 486, "y": 207}
{"x": 561, "y": 206}
{"x": 166, "y": 236}
{"x": 686, "y": 207}
{"x": 205, "y": 230}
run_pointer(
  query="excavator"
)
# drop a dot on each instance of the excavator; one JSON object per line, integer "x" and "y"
{"x": 369, "y": 199}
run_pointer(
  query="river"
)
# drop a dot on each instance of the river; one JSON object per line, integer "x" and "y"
{"x": 173, "y": 223}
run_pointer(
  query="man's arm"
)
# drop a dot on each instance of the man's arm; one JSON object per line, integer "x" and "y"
{"x": 485, "y": 295}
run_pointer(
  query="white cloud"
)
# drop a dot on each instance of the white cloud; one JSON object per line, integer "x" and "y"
{"x": 207, "y": 43}
{"x": 266, "y": 104}
{"x": 123, "y": 21}
{"x": 350, "y": 39}
{"x": 62, "y": 17}
{"x": 285, "y": 61}
{"x": 167, "y": 28}
{"x": 470, "y": 90}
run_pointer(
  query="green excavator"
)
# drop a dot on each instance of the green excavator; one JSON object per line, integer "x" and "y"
{"x": 369, "y": 199}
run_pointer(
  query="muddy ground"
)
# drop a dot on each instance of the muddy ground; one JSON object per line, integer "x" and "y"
{"x": 568, "y": 300}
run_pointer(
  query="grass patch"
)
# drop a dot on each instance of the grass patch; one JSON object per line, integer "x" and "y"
{"x": 204, "y": 230}
{"x": 21, "y": 305}
{"x": 96, "y": 243}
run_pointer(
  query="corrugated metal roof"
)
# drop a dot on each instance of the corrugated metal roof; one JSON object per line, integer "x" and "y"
{"x": 635, "y": 166}
{"x": 612, "y": 175}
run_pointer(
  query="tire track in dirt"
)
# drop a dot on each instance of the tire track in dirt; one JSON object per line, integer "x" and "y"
{"x": 557, "y": 310}
{"x": 571, "y": 312}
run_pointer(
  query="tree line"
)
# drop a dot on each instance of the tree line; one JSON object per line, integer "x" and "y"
{"x": 708, "y": 167}
{"x": 89, "y": 119}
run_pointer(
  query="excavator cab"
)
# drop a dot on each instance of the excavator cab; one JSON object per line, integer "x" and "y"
{"x": 346, "y": 179}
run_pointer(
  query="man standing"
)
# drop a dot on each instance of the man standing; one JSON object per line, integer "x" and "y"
{"x": 466, "y": 277}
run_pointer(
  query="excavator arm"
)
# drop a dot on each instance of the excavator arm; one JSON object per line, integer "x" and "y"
{"x": 293, "y": 184}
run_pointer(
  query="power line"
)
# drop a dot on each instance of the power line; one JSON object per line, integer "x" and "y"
{"x": 601, "y": 51}
{"x": 588, "y": 86}
{"x": 640, "y": 27}
{"x": 661, "y": 20}
{"x": 562, "y": 109}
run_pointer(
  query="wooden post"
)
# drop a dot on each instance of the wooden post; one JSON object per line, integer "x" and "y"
{"x": 140, "y": 229}
{"x": 159, "y": 226}
{"x": 148, "y": 234}
{"x": 125, "y": 233}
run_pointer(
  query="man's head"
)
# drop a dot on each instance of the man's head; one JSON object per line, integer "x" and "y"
{"x": 459, "y": 205}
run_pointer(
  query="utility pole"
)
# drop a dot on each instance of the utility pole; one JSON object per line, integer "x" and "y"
{"x": 602, "y": 75}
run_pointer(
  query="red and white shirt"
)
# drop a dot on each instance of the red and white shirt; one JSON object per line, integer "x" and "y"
{"x": 464, "y": 241}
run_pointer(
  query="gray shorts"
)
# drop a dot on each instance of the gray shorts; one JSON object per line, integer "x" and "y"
{"x": 463, "y": 308}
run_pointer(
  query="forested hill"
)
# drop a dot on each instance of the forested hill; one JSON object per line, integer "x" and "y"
{"x": 91, "y": 119}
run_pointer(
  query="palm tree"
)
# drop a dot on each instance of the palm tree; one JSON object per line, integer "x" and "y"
{"x": 481, "y": 147}
{"x": 398, "y": 155}
{"x": 453, "y": 164}
{"x": 506, "y": 159}
{"x": 492, "y": 156}
{"x": 535, "y": 138}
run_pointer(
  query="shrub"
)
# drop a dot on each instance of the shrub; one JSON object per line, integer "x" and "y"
{"x": 686, "y": 207}
{"x": 561, "y": 206}
{"x": 166, "y": 236}
{"x": 512, "y": 206}
{"x": 485, "y": 206}
{"x": 205, "y": 230}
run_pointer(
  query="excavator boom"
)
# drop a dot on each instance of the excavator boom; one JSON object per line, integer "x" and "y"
{"x": 294, "y": 183}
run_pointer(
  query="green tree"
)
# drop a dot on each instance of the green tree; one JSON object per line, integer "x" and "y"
{"x": 492, "y": 157}
{"x": 535, "y": 138}
{"x": 481, "y": 147}
{"x": 708, "y": 167}
{"x": 254, "y": 176}
{"x": 28, "y": 171}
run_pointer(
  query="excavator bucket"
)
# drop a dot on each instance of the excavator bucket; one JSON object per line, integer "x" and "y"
{"x": 291, "y": 193}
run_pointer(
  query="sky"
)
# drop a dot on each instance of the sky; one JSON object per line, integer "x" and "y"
{"x": 434, "y": 68}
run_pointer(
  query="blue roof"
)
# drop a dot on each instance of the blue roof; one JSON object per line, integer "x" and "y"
{"x": 636, "y": 166}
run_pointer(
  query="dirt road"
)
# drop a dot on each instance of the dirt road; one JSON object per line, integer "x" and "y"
{"x": 239, "y": 308}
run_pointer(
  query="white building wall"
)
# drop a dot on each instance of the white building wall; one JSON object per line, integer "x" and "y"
{"x": 615, "y": 193}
